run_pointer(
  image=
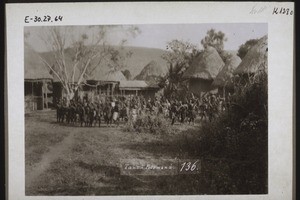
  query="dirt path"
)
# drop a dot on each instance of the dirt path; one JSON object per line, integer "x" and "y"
{"x": 54, "y": 153}
{"x": 87, "y": 160}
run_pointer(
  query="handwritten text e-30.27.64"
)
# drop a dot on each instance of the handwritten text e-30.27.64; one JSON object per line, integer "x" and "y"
{"x": 45, "y": 18}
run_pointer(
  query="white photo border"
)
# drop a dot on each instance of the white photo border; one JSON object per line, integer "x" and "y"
{"x": 280, "y": 72}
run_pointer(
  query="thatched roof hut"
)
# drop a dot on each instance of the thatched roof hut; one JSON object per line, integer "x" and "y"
{"x": 152, "y": 73}
{"x": 132, "y": 85}
{"x": 153, "y": 68}
{"x": 255, "y": 59}
{"x": 137, "y": 87}
{"x": 37, "y": 80}
{"x": 34, "y": 68}
{"x": 203, "y": 70}
{"x": 109, "y": 76}
{"x": 225, "y": 75}
{"x": 206, "y": 66}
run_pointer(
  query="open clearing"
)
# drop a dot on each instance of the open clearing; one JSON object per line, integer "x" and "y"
{"x": 67, "y": 160}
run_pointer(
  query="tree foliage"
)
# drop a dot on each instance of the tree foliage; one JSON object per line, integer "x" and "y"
{"x": 90, "y": 48}
{"x": 179, "y": 56}
{"x": 244, "y": 48}
{"x": 214, "y": 39}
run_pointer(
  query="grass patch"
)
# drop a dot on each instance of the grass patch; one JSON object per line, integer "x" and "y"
{"x": 91, "y": 167}
{"x": 154, "y": 124}
{"x": 40, "y": 134}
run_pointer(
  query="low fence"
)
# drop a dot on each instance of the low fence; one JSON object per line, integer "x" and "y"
{"x": 33, "y": 103}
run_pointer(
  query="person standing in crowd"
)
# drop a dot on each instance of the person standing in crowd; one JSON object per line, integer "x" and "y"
{"x": 183, "y": 111}
{"x": 131, "y": 107}
{"x": 115, "y": 115}
{"x": 173, "y": 112}
{"x": 191, "y": 112}
{"x": 134, "y": 113}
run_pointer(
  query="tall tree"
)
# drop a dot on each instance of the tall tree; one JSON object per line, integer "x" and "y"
{"x": 179, "y": 56}
{"x": 89, "y": 49}
{"x": 244, "y": 48}
{"x": 214, "y": 39}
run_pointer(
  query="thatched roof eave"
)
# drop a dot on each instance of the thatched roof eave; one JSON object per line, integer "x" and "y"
{"x": 206, "y": 66}
{"x": 256, "y": 59}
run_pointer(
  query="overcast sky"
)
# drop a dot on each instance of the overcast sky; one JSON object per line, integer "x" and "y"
{"x": 156, "y": 36}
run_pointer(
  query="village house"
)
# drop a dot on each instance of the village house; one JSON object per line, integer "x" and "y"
{"x": 255, "y": 60}
{"x": 225, "y": 78}
{"x": 203, "y": 71}
{"x": 37, "y": 82}
{"x": 137, "y": 87}
{"x": 44, "y": 90}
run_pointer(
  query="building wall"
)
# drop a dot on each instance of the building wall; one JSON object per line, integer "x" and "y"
{"x": 57, "y": 92}
{"x": 33, "y": 96}
{"x": 199, "y": 86}
{"x": 147, "y": 93}
{"x": 109, "y": 89}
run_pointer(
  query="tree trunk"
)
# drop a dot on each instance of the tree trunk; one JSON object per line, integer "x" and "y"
{"x": 70, "y": 95}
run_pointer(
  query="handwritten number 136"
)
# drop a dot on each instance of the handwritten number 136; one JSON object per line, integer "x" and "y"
{"x": 188, "y": 166}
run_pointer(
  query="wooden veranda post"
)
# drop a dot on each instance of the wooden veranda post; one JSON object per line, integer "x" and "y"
{"x": 112, "y": 89}
{"x": 107, "y": 90}
{"x": 46, "y": 94}
{"x": 43, "y": 100}
{"x": 32, "y": 96}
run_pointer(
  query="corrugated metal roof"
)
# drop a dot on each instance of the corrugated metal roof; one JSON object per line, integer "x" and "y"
{"x": 108, "y": 76}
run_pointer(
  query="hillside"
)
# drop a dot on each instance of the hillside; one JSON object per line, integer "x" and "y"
{"x": 140, "y": 58}
{"x": 143, "y": 56}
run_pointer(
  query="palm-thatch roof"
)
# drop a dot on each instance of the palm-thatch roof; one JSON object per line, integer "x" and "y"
{"x": 255, "y": 59}
{"x": 225, "y": 75}
{"x": 34, "y": 68}
{"x": 109, "y": 76}
{"x": 153, "y": 68}
{"x": 206, "y": 66}
{"x": 152, "y": 73}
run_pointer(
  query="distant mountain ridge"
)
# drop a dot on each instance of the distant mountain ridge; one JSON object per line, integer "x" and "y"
{"x": 141, "y": 56}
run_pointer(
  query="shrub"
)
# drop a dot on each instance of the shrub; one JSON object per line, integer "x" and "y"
{"x": 234, "y": 146}
{"x": 146, "y": 123}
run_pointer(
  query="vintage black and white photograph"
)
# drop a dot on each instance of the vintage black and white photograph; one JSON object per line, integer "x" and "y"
{"x": 146, "y": 109}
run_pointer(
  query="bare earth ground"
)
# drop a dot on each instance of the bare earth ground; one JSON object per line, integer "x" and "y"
{"x": 67, "y": 160}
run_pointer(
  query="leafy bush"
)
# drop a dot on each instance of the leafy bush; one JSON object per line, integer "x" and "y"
{"x": 146, "y": 123}
{"x": 234, "y": 147}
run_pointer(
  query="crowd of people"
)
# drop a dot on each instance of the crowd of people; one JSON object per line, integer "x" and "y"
{"x": 112, "y": 110}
